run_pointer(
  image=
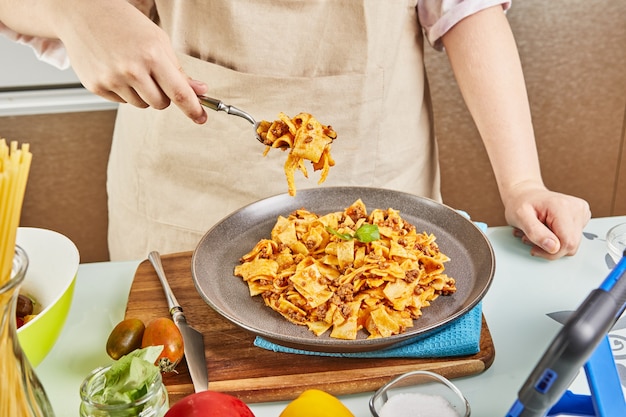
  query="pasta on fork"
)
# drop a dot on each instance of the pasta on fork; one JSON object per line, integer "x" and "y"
{"x": 306, "y": 138}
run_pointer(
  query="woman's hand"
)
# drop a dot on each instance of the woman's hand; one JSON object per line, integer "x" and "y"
{"x": 121, "y": 55}
{"x": 551, "y": 223}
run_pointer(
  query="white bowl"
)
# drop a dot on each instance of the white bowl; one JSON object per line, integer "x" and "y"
{"x": 52, "y": 266}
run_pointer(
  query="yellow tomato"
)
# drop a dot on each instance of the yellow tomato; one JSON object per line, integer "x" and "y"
{"x": 316, "y": 403}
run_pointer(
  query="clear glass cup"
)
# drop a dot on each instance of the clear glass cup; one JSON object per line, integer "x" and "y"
{"x": 430, "y": 389}
{"x": 616, "y": 241}
{"x": 154, "y": 403}
{"x": 21, "y": 392}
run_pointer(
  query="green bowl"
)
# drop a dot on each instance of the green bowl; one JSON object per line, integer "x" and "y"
{"x": 50, "y": 279}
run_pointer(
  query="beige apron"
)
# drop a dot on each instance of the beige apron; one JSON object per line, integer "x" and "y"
{"x": 356, "y": 65}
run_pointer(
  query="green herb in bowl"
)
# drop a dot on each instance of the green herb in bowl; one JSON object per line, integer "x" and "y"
{"x": 131, "y": 386}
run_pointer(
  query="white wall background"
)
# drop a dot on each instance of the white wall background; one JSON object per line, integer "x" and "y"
{"x": 29, "y": 86}
{"x": 20, "y": 68}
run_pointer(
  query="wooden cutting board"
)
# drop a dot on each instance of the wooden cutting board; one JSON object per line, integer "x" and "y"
{"x": 239, "y": 368}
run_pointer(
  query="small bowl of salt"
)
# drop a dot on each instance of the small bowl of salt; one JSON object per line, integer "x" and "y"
{"x": 419, "y": 394}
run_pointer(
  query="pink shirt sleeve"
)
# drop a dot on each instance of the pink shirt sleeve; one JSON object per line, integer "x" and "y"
{"x": 51, "y": 51}
{"x": 438, "y": 16}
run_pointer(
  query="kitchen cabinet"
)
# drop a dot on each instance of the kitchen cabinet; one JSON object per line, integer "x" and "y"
{"x": 66, "y": 190}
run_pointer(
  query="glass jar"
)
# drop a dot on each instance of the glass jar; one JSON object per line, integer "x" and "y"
{"x": 154, "y": 403}
{"x": 616, "y": 241}
{"x": 21, "y": 392}
{"x": 422, "y": 392}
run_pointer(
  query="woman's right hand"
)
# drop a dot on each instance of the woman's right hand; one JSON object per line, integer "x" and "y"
{"x": 120, "y": 54}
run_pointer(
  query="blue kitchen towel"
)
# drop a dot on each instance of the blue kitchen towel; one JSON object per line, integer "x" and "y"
{"x": 459, "y": 338}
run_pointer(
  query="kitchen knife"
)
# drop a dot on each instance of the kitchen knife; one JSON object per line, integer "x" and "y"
{"x": 192, "y": 338}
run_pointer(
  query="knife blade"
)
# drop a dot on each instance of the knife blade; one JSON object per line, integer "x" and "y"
{"x": 192, "y": 338}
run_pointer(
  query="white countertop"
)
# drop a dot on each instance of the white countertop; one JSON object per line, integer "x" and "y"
{"x": 524, "y": 291}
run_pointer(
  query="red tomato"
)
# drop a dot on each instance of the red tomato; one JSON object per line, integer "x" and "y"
{"x": 163, "y": 332}
{"x": 209, "y": 404}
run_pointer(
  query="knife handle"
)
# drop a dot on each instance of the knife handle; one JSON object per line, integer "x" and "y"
{"x": 172, "y": 302}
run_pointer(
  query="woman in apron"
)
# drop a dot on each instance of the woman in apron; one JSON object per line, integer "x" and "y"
{"x": 356, "y": 65}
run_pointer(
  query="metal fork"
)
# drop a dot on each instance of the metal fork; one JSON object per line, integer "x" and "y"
{"x": 218, "y": 105}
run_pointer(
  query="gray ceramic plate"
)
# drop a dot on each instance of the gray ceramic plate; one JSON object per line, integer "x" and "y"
{"x": 472, "y": 264}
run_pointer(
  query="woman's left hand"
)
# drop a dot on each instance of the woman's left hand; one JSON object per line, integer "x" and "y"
{"x": 550, "y": 222}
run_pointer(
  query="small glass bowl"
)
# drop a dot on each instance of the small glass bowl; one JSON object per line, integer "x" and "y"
{"x": 420, "y": 383}
{"x": 616, "y": 241}
{"x": 153, "y": 403}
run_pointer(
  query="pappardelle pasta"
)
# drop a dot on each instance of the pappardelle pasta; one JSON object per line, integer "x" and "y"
{"x": 306, "y": 138}
{"x": 320, "y": 271}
